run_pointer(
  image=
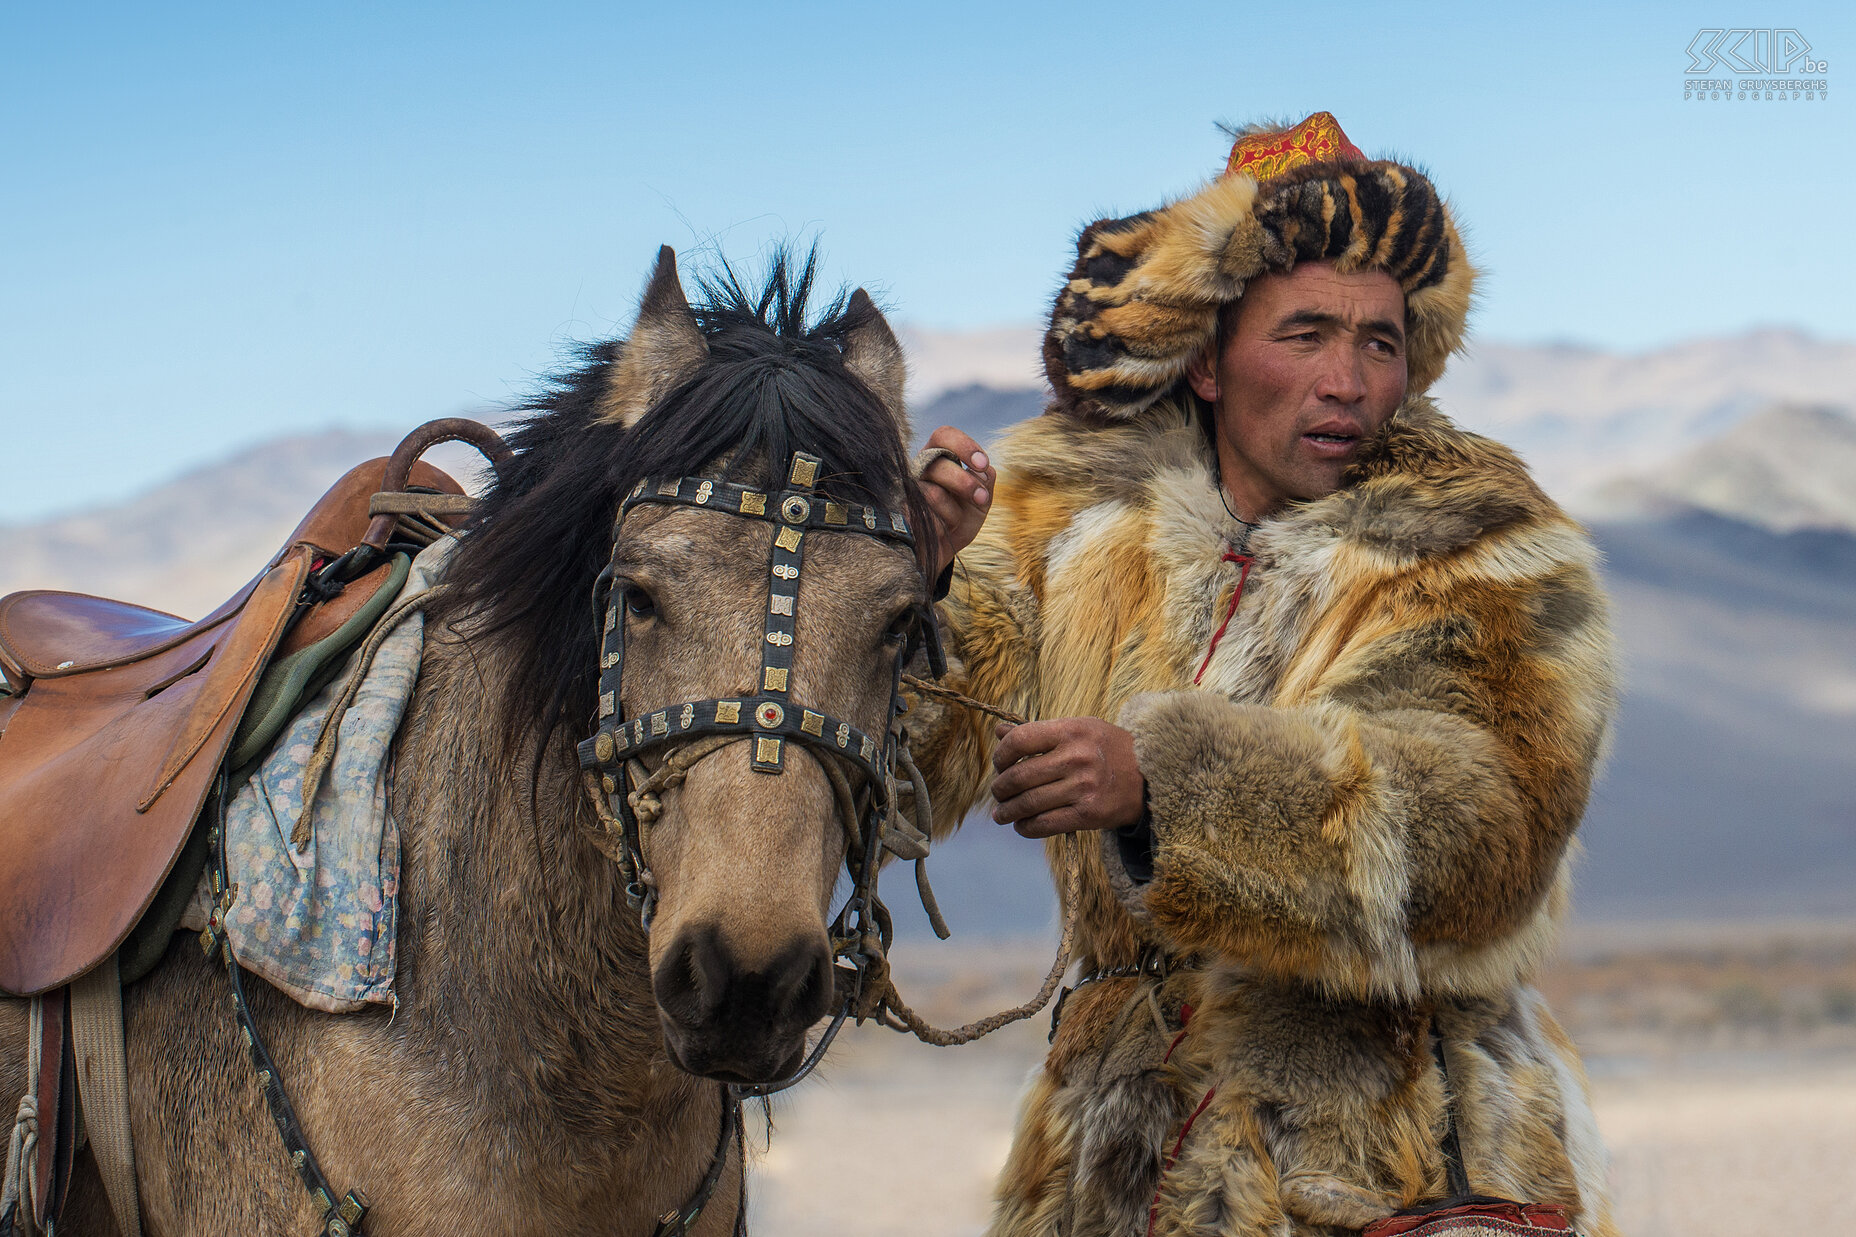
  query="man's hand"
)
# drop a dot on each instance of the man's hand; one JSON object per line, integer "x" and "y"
{"x": 1066, "y": 775}
{"x": 958, "y": 497}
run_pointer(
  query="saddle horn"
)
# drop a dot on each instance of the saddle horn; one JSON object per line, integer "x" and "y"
{"x": 416, "y": 444}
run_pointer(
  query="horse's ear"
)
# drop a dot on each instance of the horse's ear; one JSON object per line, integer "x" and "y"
{"x": 665, "y": 348}
{"x": 872, "y": 353}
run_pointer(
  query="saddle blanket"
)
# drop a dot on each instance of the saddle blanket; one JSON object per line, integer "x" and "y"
{"x": 320, "y": 924}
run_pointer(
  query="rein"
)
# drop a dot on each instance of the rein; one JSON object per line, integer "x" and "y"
{"x": 627, "y": 795}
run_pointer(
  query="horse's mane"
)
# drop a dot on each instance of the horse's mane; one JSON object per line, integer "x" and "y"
{"x": 775, "y": 382}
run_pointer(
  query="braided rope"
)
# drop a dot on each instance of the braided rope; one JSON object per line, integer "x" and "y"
{"x": 610, "y": 837}
{"x": 883, "y": 1000}
{"x": 646, "y": 801}
{"x": 21, "y": 1193}
{"x": 929, "y": 688}
{"x": 891, "y": 1002}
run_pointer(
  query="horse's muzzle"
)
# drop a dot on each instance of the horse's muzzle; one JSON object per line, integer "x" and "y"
{"x": 737, "y": 1022}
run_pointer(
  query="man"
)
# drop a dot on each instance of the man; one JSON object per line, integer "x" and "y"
{"x": 1323, "y": 683}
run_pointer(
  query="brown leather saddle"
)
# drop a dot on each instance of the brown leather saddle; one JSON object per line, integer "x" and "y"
{"x": 119, "y": 716}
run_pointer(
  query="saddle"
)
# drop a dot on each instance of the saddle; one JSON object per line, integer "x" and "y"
{"x": 115, "y": 724}
{"x": 119, "y": 717}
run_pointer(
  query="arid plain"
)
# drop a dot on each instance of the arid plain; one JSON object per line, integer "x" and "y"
{"x": 1722, "y": 1060}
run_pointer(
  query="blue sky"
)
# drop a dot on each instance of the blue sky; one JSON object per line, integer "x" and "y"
{"x": 223, "y": 223}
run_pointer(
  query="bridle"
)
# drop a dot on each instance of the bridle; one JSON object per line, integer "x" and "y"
{"x": 772, "y": 720}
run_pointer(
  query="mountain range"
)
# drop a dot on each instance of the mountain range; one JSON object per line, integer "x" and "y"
{"x": 1787, "y": 467}
{"x": 1583, "y": 418}
{"x": 1725, "y": 504}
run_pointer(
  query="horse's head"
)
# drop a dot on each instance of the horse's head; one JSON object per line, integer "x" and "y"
{"x": 739, "y": 860}
{"x": 743, "y": 858}
{"x": 744, "y": 863}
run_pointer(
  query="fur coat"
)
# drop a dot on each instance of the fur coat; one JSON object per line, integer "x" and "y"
{"x": 1364, "y": 776}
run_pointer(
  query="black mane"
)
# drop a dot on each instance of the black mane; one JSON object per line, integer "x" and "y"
{"x": 775, "y": 382}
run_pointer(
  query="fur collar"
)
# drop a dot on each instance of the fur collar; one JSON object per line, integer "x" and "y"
{"x": 1423, "y": 488}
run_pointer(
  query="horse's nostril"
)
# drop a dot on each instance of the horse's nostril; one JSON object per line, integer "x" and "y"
{"x": 692, "y": 980}
{"x": 814, "y": 993}
{"x": 709, "y": 970}
{"x": 700, "y": 983}
{"x": 799, "y": 983}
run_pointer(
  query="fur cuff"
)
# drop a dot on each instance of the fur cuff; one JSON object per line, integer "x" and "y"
{"x": 1297, "y": 840}
{"x": 1273, "y": 843}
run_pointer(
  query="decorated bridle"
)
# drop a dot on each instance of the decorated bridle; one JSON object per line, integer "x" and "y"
{"x": 770, "y": 718}
{"x": 624, "y": 790}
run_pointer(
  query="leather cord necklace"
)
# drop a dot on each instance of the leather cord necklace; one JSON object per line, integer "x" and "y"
{"x": 1243, "y": 542}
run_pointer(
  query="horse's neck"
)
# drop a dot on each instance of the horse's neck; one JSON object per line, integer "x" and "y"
{"x": 518, "y": 949}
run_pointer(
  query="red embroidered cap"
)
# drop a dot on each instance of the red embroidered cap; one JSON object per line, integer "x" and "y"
{"x": 1318, "y": 139}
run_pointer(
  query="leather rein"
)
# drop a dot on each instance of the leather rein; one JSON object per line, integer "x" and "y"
{"x": 625, "y": 793}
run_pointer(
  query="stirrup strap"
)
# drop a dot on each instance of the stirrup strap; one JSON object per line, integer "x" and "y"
{"x": 103, "y": 1088}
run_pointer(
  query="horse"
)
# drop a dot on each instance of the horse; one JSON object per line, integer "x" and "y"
{"x": 552, "y": 1064}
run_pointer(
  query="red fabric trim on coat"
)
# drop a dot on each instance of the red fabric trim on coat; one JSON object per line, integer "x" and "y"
{"x": 1179, "y": 1144}
{"x": 1173, "y": 1045}
{"x": 1243, "y": 561}
{"x": 1185, "y": 1017}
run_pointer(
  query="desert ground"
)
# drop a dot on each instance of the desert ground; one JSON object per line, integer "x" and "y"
{"x": 1722, "y": 1057}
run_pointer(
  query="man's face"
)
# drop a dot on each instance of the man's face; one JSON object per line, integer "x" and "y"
{"x": 1312, "y": 364}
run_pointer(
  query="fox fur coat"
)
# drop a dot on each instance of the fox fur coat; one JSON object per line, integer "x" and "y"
{"x": 1368, "y": 740}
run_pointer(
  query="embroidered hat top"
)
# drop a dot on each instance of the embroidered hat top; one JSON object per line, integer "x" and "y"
{"x": 1262, "y": 155}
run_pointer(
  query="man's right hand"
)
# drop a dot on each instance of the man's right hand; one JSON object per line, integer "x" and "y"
{"x": 958, "y": 497}
{"x": 1066, "y": 775}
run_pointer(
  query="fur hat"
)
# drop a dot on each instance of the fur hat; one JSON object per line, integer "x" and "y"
{"x": 1144, "y": 295}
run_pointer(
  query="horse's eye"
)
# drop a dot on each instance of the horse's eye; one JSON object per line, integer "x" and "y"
{"x": 900, "y": 629}
{"x": 638, "y": 603}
